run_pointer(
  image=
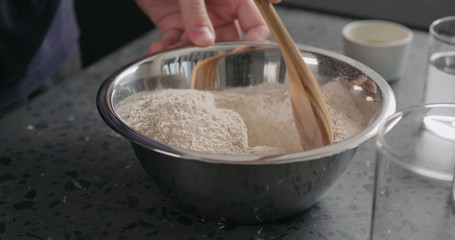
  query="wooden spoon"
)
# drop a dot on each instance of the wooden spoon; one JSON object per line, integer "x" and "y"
{"x": 204, "y": 73}
{"x": 310, "y": 111}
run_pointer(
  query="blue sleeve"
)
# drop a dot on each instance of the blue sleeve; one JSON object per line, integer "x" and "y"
{"x": 23, "y": 26}
{"x": 36, "y": 36}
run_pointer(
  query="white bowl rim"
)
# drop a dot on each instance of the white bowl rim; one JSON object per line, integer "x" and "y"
{"x": 346, "y": 32}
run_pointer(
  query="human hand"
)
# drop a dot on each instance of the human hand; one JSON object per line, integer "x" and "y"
{"x": 201, "y": 23}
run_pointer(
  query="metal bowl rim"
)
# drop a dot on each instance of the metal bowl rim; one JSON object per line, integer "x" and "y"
{"x": 107, "y": 112}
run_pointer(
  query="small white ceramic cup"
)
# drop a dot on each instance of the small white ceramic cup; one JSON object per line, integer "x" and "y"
{"x": 382, "y": 45}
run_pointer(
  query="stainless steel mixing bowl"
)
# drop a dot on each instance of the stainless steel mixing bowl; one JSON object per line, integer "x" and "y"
{"x": 243, "y": 188}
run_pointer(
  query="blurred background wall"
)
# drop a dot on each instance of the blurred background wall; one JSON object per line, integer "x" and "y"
{"x": 413, "y": 13}
{"x": 107, "y": 25}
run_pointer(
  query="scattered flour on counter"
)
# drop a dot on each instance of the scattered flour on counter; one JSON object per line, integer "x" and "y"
{"x": 250, "y": 120}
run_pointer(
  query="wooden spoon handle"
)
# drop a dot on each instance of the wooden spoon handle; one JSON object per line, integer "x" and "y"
{"x": 282, "y": 37}
{"x": 306, "y": 95}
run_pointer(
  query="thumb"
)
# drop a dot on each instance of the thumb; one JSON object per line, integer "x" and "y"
{"x": 197, "y": 23}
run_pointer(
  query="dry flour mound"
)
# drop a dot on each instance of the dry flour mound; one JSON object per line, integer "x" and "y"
{"x": 266, "y": 111}
{"x": 346, "y": 117}
{"x": 250, "y": 120}
{"x": 185, "y": 118}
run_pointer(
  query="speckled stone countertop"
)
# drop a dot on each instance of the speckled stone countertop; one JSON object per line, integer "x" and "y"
{"x": 64, "y": 174}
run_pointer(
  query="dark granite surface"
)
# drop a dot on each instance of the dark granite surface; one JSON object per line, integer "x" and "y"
{"x": 65, "y": 175}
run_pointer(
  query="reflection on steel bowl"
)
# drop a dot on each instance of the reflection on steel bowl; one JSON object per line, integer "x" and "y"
{"x": 245, "y": 188}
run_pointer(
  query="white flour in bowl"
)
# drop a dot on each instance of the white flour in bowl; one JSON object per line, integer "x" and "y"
{"x": 250, "y": 120}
